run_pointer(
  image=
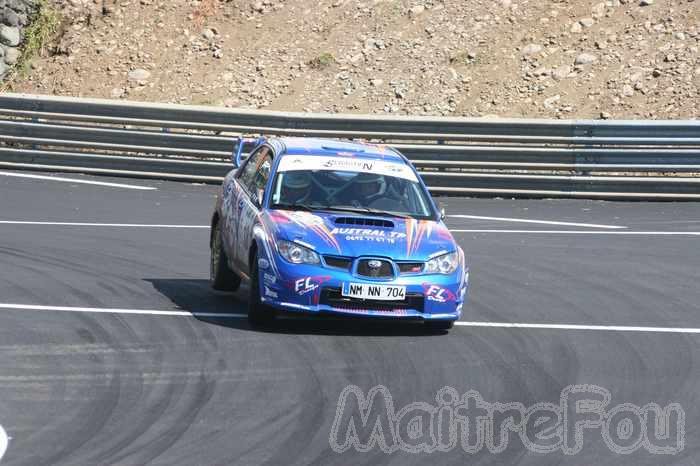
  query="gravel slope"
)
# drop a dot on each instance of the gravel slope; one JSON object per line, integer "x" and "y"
{"x": 508, "y": 58}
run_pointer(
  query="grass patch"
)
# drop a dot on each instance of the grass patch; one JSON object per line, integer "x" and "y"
{"x": 393, "y": 9}
{"x": 43, "y": 28}
{"x": 324, "y": 60}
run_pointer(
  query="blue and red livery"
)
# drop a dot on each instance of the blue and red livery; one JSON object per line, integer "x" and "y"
{"x": 329, "y": 227}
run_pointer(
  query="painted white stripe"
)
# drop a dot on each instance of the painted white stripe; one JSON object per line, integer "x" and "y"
{"x": 117, "y": 225}
{"x": 101, "y": 310}
{"x": 539, "y": 232}
{"x": 605, "y": 328}
{"x": 586, "y": 232}
{"x": 80, "y": 181}
{"x": 4, "y": 440}
{"x": 107, "y": 310}
{"x": 544, "y": 222}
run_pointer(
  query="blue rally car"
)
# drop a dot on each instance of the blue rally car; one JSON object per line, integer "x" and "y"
{"x": 328, "y": 227}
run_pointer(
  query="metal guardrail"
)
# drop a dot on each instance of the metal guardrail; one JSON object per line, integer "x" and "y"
{"x": 480, "y": 157}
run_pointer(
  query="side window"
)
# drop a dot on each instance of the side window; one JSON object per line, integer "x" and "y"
{"x": 256, "y": 173}
{"x": 248, "y": 170}
{"x": 261, "y": 177}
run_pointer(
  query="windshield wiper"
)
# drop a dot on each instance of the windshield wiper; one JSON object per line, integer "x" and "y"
{"x": 285, "y": 206}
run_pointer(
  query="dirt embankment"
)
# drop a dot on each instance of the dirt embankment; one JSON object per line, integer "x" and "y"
{"x": 508, "y": 58}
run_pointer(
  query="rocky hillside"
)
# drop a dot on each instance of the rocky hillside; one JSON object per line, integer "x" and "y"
{"x": 14, "y": 17}
{"x": 507, "y": 58}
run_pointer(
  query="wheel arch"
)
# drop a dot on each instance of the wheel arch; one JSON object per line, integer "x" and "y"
{"x": 252, "y": 252}
{"x": 261, "y": 245}
{"x": 213, "y": 224}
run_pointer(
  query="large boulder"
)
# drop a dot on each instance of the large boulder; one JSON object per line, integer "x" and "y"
{"x": 9, "y": 35}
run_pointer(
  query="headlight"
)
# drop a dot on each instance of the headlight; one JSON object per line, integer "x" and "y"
{"x": 296, "y": 253}
{"x": 447, "y": 263}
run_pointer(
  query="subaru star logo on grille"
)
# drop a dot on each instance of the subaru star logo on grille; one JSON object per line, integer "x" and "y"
{"x": 374, "y": 264}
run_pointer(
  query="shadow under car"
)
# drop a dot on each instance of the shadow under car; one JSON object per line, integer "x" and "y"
{"x": 197, "y": 297}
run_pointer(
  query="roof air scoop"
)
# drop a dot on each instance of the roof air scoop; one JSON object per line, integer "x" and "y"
{"x": 341, "y": 148}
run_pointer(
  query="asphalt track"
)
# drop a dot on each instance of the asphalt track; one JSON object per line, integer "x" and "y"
{"x": 81, "y": 384}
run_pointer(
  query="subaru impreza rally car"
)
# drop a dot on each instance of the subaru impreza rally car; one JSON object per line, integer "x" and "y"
{"x": 329, "y": 227}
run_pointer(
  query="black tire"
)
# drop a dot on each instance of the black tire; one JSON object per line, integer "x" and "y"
{"x": 439, "y": 325}
{"x": 259, "y": 314}
{"x": 221, "y": 276}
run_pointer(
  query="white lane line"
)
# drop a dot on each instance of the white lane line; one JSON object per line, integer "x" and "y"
{"x": 544, "y": 222}
{"x": 75, "y": 180}
{"x": 101, "y": 310}
{"x": 453, "y": 230}
{"x": 78, "y": 224}
{"x": 4, "y": 440}
{"x": 606, "y": 328}
{"x": 107, "y": 310}
{"x": 585, "y": 232}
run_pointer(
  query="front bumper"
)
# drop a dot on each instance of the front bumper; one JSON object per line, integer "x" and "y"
{"x": 316, "y": 289}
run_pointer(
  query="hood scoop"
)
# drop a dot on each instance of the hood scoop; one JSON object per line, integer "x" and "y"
{"x": 364, "y": 222}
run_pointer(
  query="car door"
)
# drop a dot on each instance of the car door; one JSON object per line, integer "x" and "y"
{"x": 229, "y": 198}
{"x": 232, "y": 203}
{"x": 252, "y": 183}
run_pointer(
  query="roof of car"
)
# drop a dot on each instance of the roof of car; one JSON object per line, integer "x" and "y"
{"x": 331, "y": 147}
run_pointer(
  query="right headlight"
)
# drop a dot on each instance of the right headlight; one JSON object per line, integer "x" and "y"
{"x": 445, "y": 264}
{"x": 296, "y": 253}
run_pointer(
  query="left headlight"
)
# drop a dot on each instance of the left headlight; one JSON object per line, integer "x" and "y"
{"x": 296, "y": 253}
{"x": 446, "y": 264}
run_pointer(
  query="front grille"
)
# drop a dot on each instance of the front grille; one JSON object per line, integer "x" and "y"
{"x": 333, "y": 297}
{"x": 410, "y": 267}
{"x": 359, "y": 221}
{"x": 385, "y": 270}
{"x": 338, "y": 262}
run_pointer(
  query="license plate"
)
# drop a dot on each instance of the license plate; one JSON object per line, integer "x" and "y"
{"x": 376, "y": 292}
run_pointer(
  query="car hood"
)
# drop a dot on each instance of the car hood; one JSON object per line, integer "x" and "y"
{"x": 353, "y": 235}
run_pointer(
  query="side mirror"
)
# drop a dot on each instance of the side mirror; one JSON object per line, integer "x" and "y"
{"x": 442, "y": 213}
{"x": 236, "y": 159}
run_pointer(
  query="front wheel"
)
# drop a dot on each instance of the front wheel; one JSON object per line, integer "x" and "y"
{"x": 439, "y": 325}
{"x": 258, "y": 313}
{"x": 221, "y": 276}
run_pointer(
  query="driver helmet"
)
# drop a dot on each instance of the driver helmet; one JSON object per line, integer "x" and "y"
{"x": 296, "y": 185}
{"x": 370, "y": 184}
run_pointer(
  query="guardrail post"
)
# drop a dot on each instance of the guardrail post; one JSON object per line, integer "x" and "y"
{"x": 35, "y": 119}
{"x": 582, "y": 129}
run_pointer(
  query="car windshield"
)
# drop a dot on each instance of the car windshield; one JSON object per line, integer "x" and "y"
{"x": 352, "y": 191}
